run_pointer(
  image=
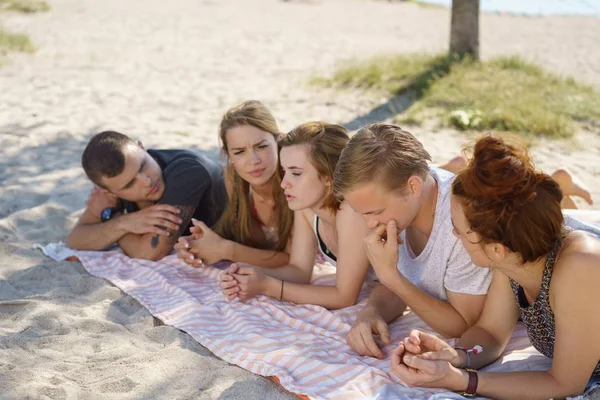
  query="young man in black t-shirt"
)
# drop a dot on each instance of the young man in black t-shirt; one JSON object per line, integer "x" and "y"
{"x": 144, "y": 200}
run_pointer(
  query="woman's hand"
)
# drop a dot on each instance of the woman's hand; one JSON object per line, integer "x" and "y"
{"x": 252, "y": 281}
{"x": 431, "y": 347}
{"x": 229, "y": 285}
{"x": 421, "y": 360}
{"x": 205, "y": 245}
{"x": 183, "y": 248}
{"x": 415, "y": 371}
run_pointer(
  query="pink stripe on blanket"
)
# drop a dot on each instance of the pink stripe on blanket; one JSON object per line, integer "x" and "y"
{"x": 303, "y": 346}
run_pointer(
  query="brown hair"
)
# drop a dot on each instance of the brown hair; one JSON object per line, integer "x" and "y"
{"x": 237, "y": 222}
{"x": 382, "y": 153}
{"x": 506, "y": 201}
{"x": 326, "y": 142}
{"x": 104, "y": 155}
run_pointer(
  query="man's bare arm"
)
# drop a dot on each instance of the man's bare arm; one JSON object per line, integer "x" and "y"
{"x": 156, "y": 245}
{"x": 89, "y": 233}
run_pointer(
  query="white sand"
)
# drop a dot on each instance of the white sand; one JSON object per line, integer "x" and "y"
{"x": 164, "y": 72}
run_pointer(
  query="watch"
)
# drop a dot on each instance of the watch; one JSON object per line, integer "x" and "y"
{"x": 472, "y": 385}
{"x": 108, "y": 213}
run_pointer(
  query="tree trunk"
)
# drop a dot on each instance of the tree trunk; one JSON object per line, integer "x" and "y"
{"x": 464, "y": 30}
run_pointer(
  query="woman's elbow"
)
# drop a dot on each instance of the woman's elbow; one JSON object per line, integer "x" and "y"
{"x": 343, "y": 302}
{"x": 566, "y": 388}
{"x": 296, "y": 274}
{"x": 450, "y": 332}
{"x": 340, "y": 305}
{"x": 303, "y": 279}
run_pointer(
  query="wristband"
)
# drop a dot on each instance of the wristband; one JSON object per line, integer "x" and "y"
{"x": 281, "y": 295}
{"x": 108, "y": 213}
{"x": 472, "y": 385}
{"x": 477, "y": 349}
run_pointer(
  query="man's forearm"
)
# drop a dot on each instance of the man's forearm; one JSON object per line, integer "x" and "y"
{"x": 438, "y": 314}
{"x": 149, "y": 246}
{"x": 386, "y": 303}
{"x": 95, "y": 236}
{"x": 152, "y": 245}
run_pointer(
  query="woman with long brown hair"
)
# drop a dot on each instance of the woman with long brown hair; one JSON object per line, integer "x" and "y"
{"x": 256, "y": 225}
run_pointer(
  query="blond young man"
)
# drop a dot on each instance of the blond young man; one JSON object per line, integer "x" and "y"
{"x": 383, "y": 174}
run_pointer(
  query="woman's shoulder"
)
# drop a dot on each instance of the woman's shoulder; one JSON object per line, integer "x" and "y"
{"x": 579, "y": 260}
{"x": 307, "y": 215}
{"x": 582, "y": 247}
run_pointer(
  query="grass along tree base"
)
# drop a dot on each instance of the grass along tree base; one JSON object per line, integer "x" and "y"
{"x": 504, "y": 94}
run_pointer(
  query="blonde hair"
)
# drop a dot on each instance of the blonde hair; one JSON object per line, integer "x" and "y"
{"x": 238, "y": 222}
{"x": 381, "y": 153}
{"x": 326, "y": 142}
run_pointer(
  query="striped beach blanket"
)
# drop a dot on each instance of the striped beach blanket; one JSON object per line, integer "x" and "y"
{"x": 303, "y": 347}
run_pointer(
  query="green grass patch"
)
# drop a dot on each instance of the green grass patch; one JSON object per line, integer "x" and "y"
{"x": 390, "y": 74}
{"x": 24, "y": 6}
{"x": 503, "y": 94}
{"x": 14, "y": 42}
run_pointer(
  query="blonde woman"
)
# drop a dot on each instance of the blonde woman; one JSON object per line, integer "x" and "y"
{"x": 309, "y": 154}
{"x": 256, "y": 225}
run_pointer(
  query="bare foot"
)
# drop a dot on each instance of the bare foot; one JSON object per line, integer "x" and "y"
{"x": 571, "y": 186}
{"x": 455, "y": 165}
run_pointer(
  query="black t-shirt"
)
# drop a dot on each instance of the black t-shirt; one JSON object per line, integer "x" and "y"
{"x": 190, "y": 180}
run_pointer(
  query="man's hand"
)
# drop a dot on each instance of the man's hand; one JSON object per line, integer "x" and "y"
{"x": 381, "y": 246}
{"x": 159, "y": 218}
{"x": 360, "y": 338}
{"x": 99, "y": 199}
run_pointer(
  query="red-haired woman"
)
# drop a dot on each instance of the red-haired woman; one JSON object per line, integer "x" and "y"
{"x": 509, "y": 218}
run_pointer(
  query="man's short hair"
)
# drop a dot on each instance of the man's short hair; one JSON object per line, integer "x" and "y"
{"x": 104, "y": 155}
{"x": 381, "y": 153}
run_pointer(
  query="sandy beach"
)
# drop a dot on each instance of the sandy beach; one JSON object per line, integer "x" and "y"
{"x": 164, "y": 72}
